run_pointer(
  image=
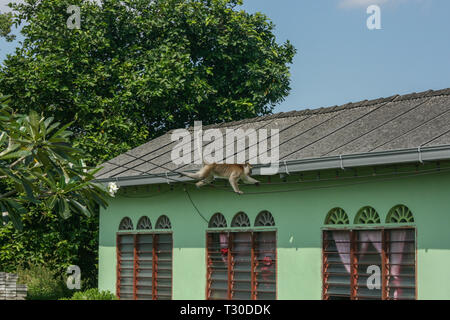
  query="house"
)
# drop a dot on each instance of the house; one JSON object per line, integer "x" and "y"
{"x": 360, "y": 209}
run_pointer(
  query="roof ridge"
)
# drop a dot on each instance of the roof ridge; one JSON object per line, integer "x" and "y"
{"x": 349, "y": 105}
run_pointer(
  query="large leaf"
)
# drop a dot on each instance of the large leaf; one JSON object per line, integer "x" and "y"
{"x": 81, "y": 208}
{"x": 51, "y": 174}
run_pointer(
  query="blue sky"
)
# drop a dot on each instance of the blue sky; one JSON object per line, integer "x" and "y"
{"x": 339, "y": 60}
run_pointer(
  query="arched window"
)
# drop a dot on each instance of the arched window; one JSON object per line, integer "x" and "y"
{"x": 217, "y": 221}
{"x": 163, "y": 223}
{"x": 337, "y": 216}
{"x": 264, "y": 219}
{"x": 240, "y": 220}
{"x": 126, "y": 224}
{"x": 390, "y": 249}
{"x": 367, "y": 215}
{"x": 400, "y": 214}
{"x": 144, "y": 223}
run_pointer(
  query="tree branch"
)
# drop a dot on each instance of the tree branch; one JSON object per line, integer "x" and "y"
{"x": 8, "y": 194}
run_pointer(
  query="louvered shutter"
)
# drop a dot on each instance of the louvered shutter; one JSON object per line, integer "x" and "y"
{"x": 163, "y": 266}
{"x": 353, "y": 259}
{"x": 367, "y": 264}
{"x": 264, "y": 265}
{"x": 217, "y": 268}
{"x": 401, "y": 262}
{"x": 241, "y": 266}
{"x": 125, "y": 266}
{"x": 144, "y": 268}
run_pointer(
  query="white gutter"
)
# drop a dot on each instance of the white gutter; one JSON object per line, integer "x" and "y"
{"x": 420, "y": 154}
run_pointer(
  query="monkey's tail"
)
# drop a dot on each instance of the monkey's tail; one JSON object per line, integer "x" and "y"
{"x": 184, "y": 174}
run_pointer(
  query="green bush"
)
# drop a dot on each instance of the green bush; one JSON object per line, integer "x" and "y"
{"x": 53, "y": 242}
{"x": 92, "y": 294}
{"x": 42, "y": 283}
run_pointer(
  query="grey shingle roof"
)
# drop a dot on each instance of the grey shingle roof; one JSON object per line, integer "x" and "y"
{"x": 366, "y": 127}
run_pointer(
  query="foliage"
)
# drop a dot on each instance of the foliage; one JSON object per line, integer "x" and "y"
{"x": 49, "y": 240}
{"x": 43, "y": 179}
{"x": 42, "y": 283}
{"x": 6, "y": 22}
{"x": 37, "y": 159}
{"x": 134, "y": 70}
{"x": 139, "y": 68}
{"x": 92, "y": 294}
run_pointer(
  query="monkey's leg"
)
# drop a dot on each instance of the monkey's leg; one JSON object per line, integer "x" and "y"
{"x": 234, "y": 183}
{"x": 203, "y": 182}
{"x": 249, "y": 180}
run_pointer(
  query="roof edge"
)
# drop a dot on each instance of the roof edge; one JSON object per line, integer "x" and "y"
{"x": 419, "y": 154}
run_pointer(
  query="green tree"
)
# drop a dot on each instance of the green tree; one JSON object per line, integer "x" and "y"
{"x": 47, "y": 240}
{"x": 134, "y": 70}
{"x": 137, "y": 68}
{"x": 38, "y": 166}
{"x": 6, "y": 22}
{"x": 42, "y": 182}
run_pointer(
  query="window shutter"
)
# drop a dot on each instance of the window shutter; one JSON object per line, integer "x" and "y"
{"x": 144, "y": 269}
{"x": 264, "y": 265}
{"x": 163, "y": 266}
{"x": 367, "y": 264}
{"x": 401, "y": 262}
{"x": 336, "y": 264}
{"x": 144, "y": 266}
{"x": 125, "y": 266}
{"x": 353, "y": 259}
{"x": 217, "y": 268}
{"x": 241, "y": 264}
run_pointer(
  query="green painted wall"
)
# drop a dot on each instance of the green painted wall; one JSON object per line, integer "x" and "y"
{"x": 299, "y": 216}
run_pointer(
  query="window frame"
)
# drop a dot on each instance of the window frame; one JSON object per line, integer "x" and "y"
{"x": 252, "y": 230}
{"x": 369, "y": 227}
{"x": 135, "y": 233}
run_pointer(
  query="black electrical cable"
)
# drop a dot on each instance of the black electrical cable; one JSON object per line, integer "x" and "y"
{"x": 193, "y": 204}
{"x": 427, "y": 172}
{"x": 144, "y": 197}
{"x": 156, "y": 165}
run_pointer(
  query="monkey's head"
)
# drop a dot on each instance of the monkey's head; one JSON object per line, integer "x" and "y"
{"x": 248, "y": 168}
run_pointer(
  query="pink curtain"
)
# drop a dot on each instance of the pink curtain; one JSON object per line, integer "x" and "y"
{"x": 397, "y": 244}
{"x": 267, "y": 257}
{"x": 368, "y": 237}
{"x": 223, "y": 239}
{"x": 342, "y": 240}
